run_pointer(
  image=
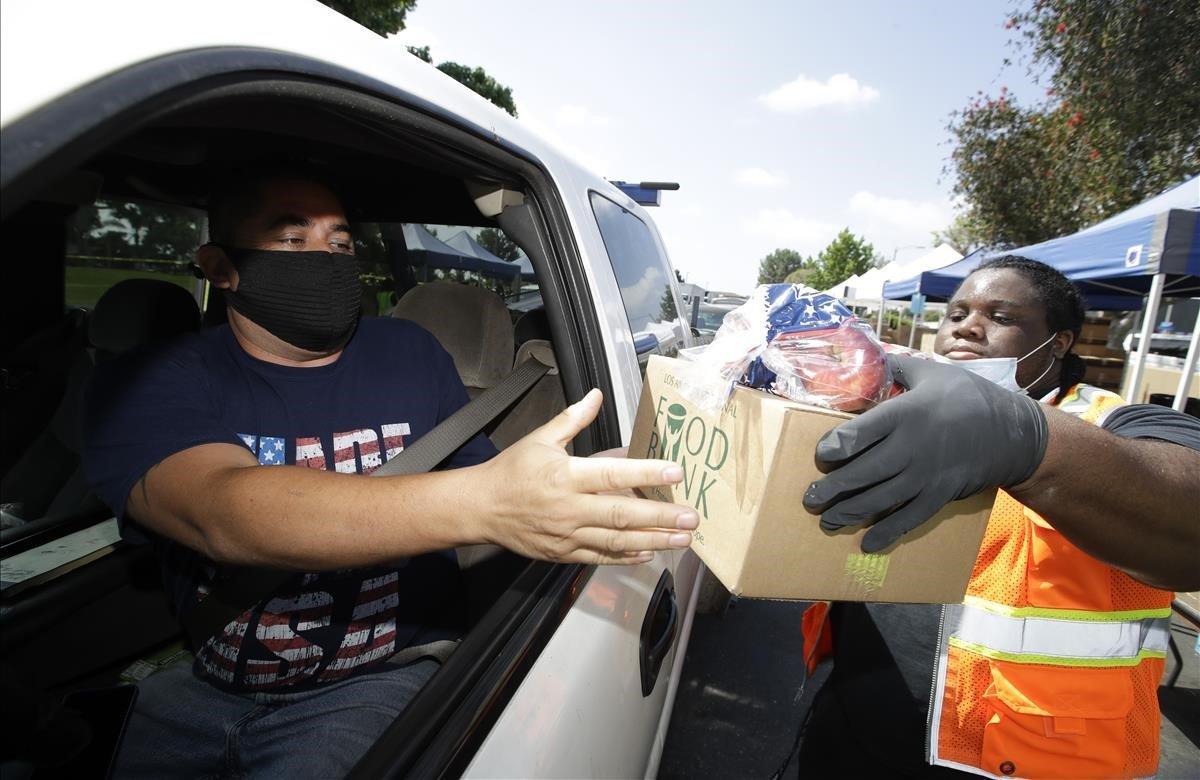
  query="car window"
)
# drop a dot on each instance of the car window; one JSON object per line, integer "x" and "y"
{"x": 710, "y": 318}
{"x": 394, "y": 257}
{"x": 115, "y": 239}
{"x": 644, "y": 277}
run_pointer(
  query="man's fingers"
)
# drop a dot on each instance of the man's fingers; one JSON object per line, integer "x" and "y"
{"x": 596, "y": 475}
{"x": 888, "y": 530}
{"x": 567, "y": 425}
{"x": 620, "y": 513}
{"x": 883, "y": 463}
{"x": 603, "y": 541}
{"x": 610, "y": 559}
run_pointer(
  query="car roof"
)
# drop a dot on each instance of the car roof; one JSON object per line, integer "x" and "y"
{"x": 46, "y": 53}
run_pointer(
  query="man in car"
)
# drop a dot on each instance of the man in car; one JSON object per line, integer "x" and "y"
{"x": 249, "y": 444}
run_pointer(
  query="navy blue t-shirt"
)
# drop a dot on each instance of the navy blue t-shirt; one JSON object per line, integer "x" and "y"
{"x": 392, "y": 384}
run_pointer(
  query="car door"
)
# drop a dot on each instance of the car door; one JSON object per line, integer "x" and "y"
{"x": 597, "y": 701}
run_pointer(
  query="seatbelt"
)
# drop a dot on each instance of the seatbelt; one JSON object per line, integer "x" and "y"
{"x": 242, "y": 588}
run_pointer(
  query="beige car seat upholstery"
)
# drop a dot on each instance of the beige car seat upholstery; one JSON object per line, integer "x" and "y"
{"x": 540, "y": 404}
{"x": 475, "y": 328}
{"x": 471, "y": 323}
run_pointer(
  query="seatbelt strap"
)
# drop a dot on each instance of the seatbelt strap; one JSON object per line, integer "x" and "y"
{"x": 242, "y": 588}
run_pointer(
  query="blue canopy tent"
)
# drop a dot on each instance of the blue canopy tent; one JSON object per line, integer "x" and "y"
{"x": 1152, "y": 249}
{"x": 1113, "y": 262}
{"x": 491, "y": 264}
{"x": 939, "y": 285}
{"x": 424, "y": 249}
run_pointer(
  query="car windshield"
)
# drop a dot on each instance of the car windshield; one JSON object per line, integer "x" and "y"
{"x": 711, "y": 317}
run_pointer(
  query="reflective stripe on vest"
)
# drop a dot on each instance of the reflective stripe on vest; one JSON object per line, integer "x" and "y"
{"x": 1057, "y": 642}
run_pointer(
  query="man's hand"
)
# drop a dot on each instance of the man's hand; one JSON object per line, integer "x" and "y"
{"x": 545, "y": 504}
{"x": 953, "y": 434}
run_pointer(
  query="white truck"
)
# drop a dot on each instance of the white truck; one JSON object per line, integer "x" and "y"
{"x": 117, "y": 113}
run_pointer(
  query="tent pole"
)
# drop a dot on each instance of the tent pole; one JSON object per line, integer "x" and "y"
{"x": 1148, "y": 319}
{"x": 879, "y": 324}
{"x": 1189, "y": 365}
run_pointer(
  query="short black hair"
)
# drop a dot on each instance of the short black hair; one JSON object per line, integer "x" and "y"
{"x": 236, "y": 189}
{"x": 1062, "y": 301}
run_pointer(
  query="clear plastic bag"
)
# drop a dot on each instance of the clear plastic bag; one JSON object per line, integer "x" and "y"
{"x": 842, "y": 367}
{"x": 795, "y": 342}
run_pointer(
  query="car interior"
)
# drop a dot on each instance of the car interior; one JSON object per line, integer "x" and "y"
{"x": 99, "y": 263}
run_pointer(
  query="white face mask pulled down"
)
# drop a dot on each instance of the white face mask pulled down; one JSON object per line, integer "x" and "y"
{"x": 1000, "y": 371}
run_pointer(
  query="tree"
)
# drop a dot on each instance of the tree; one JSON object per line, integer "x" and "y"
{"x": 666, "y": 306}
{"x": 801, "y": 276}
{"x": 961, "y": 235}
{"x": 497, "y": 243}
{"x": 476, "y": 79}
{"x": 129, "y": 229}
{"x": 845, "y": 256}
{"x": 382, "y": 16}
{"x": 387, "y": 17}
{"x": 775, "y": 267}
{"x": 1120, "y": 122}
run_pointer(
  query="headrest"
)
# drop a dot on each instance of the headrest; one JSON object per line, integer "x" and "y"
{"x": 540, "y": 349}
{"x": 533, "y": 324}
{"x": 471, "y": 323}
{"x": 138, "y": 311}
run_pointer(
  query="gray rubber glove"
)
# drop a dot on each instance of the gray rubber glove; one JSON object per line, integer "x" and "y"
{"x": 953, "y": 434}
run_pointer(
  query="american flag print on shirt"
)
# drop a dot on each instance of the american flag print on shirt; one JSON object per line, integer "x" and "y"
{"x": 295, "y": 638}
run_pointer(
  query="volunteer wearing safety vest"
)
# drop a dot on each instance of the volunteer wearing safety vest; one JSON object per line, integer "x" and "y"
{"x": 1049, "y": 668}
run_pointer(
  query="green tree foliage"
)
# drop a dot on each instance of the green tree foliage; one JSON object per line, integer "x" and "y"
{"x": 481, "y": 83}
{"x": 845, "y": 256}
{"x": 1120, "y": 122}
{"x": 494, "y": 241}
{"x": 962, "y": 235}
{"x": 476, "y": 79}
{"x": 775, "y": 267}
{"x": 801, "y": 276}
{"x": 382, "y": 16}
{"x": 666, "y": 307}
{"x": 129, "y": 229}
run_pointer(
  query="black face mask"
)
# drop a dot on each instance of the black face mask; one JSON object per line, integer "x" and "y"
{"x": 311, "y": 300}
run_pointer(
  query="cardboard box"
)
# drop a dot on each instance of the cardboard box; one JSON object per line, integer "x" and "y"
{"x": 746, "y": 470}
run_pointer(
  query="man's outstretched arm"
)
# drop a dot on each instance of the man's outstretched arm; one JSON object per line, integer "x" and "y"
{"x": 531, "y": 498}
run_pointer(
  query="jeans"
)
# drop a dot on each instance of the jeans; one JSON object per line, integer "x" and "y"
{"x": 183, "y": 727}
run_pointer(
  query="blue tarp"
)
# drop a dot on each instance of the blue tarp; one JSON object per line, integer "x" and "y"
{"x": 1112, "y": 262}
{"x": 426, "y": 249}
{"x": 493, "y": 264}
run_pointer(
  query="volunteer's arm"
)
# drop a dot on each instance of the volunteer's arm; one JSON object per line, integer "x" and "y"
{"x": 1132, "y": 503}
{"x": 531, "y": 498}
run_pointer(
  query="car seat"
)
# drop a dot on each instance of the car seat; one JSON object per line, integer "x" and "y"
{"x": 471, "y": 323}
{"x": 48, "y": 478}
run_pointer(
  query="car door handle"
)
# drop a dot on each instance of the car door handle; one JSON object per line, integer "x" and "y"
{"x": 659, "y": 628}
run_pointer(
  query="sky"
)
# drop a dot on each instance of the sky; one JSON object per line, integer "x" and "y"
{"x": 783, "y": 122}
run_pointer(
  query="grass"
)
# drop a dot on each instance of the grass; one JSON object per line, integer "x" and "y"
{"x": 86, "y": 285}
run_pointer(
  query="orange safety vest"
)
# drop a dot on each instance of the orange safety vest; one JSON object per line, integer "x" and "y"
{"x": 1050, "y": 666}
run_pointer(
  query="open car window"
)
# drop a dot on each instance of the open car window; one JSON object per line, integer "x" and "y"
{"x": 394, "y": 257}
{"x": 119, "y": 238}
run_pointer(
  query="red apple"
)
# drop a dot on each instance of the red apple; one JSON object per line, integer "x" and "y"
{"x": 845, "y": 367}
